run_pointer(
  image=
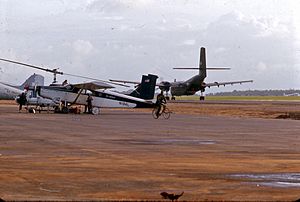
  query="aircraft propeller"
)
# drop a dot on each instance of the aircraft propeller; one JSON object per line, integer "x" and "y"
{"x": 55, "y": 72}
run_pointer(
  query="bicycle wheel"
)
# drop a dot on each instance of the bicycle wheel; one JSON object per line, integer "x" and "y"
{"x": 166, "y": 114}
{"x": 154, "y": 113}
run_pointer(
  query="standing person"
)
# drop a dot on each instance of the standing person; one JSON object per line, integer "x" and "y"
{"x": 89, "y": 103}
{"x": 160, "y": 101}
{"x": 22, "y": 100}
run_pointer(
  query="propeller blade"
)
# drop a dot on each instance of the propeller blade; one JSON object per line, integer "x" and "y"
{"x": 54, "y": 71}
{"x": 86, "y": 77}
{"x": 32, "y": 66}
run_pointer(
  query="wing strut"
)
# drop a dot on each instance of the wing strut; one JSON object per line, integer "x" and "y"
{"x": 77, "y": 96}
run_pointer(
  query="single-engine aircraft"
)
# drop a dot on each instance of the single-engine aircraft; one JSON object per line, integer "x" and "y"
{"x": 70, "y": 94}
{"x": 192, "y": 85}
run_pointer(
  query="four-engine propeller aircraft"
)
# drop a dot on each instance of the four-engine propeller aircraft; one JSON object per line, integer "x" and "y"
{"x": 71, "y": 94}
{"x": 192, "y": 85}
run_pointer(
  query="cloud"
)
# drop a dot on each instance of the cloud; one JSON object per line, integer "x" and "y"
{"x": 253, "y": 47}
{"x": 82, "y": 47}
{"x": 261, "y": 67}
{"x": 128, "y": 37}
{"x": 189, "y": 42}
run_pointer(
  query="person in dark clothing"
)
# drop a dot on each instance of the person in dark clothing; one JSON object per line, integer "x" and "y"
{"x": 65, "y": 83}
{"x": 89, "y": 103}
{"x": 160, "y": 102}
{"x": 21, "y": 100}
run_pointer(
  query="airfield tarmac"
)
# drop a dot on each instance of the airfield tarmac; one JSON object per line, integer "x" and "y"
{"x": 211, "y": 151}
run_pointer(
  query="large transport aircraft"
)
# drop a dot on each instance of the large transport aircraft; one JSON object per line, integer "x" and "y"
{"x": 196, "y": 83}
{"x": 76, "y": 94}
{"x": 192, "y": 85}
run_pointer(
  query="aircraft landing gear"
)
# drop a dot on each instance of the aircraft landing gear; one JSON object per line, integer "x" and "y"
{"x": 202, "y": 97}
{"x": 95, "y": 110}
{"x": 65, "y": 110}
{"x": 173, "y": 98}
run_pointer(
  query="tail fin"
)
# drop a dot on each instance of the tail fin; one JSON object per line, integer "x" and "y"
{"x": 33, "y": 80}
{"x": 202, "y": 63}
{"x": 147, "y": 87}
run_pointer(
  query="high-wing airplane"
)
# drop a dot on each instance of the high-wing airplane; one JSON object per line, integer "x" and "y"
{"x": 70, "y": 94}
{"x": 102, "y": 97}
{"x": 192, "y": 85}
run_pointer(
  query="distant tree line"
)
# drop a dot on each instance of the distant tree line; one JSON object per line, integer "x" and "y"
{"x": 256, "y": 93}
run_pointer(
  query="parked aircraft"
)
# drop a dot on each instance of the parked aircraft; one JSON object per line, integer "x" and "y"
{"x": 102, "y": 97}
{"x": 9, "y": 91}
{"x": 192, "y": 85}
{"x": 292, "y": 94}
{"x": 196, "y": 83}
{"x": 71, "y": 94}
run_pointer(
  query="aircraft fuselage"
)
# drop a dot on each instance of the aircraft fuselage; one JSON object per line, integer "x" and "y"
{"x": 101, "y": 98}
{"x": 8, "y": 92}
{"x": 189, "y": 87}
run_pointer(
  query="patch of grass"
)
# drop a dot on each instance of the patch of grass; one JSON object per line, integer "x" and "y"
{"x": 256, "y": 98}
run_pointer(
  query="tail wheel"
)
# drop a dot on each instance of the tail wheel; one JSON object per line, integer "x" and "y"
{"x": 154, "y": 113}
{"x": 166, "y": 113}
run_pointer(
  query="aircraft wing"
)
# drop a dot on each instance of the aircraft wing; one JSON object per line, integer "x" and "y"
{"x": 124, "y": 81}
{"x": 137, "y": 82}
{"x": 93, "y": 85}
{"x": 218, "y": 84}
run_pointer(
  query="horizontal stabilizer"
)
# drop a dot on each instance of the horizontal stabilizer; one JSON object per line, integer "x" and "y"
{"x": 208, "y": 68}
{"x": 124, "y": 81}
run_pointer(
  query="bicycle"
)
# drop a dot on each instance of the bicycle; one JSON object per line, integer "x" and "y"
{"x": 166, "y": 113}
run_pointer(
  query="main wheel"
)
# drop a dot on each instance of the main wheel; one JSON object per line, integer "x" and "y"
{"x": 202, "y": 98}
{"x": 95, "y": 111}
{"x": 154, "y": 113}
{"x": 65, "y": 110}
{"x": 166, "y": 114}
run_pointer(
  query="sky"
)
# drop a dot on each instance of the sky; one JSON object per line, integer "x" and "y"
{"x": 123, "y": 39}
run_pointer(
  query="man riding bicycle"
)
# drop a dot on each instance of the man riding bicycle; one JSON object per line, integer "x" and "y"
{"x": 160, "y": 102}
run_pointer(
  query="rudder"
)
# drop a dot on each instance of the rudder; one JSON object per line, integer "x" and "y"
{"x": 202, "y": 63}
{"x": 33, "y": 80}
{"x": 146, "y": 89}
